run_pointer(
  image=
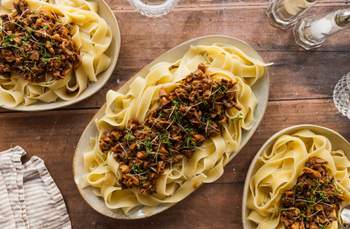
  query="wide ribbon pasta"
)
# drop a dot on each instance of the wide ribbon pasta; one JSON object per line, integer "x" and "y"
{"x": 282, "y": 164}
{"x": 91, "y": 35}
{"x": 206, "y": 164}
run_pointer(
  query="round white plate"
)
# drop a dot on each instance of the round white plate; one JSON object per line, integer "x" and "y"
{"x": 113, "y": 51}
{"x": 338, "y": 141}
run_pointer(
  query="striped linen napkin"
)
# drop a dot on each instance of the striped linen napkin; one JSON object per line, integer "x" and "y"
{"x": 29, "y": 198}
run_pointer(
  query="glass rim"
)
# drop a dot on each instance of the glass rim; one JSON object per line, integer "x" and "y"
{"x": 141, "y": 6}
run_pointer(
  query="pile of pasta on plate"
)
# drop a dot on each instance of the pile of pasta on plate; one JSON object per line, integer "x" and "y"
{"x": 301, "y": 181}
{"x": 173, "y": 129}
{"x": 50, "y": 50}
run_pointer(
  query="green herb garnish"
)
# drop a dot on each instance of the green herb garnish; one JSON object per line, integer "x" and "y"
{"x": 129, "y": 136}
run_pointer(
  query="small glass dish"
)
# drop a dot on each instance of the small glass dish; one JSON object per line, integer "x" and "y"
{"x": 153, "y": 8}
{"x": 341, "y": 95}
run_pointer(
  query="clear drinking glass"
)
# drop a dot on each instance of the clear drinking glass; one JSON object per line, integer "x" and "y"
{"x": 285, "y": 13}
{"x": 153, "y": 8}
{"x": 341, "y": 95}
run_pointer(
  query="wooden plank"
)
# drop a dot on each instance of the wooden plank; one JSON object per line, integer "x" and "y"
{"x": 249, "y": 24}
{"x": 53, "y": 137}
{"x": 123, "y": 5}
{"x": 212, "y": 206}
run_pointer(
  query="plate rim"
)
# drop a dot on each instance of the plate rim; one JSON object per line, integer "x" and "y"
{"x": 41, "y": 106}
{"x": 269, "y": 141}
{"x": 250, "y": 133}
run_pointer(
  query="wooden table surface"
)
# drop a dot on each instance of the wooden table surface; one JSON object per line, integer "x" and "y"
{"x": 301, "y": 90}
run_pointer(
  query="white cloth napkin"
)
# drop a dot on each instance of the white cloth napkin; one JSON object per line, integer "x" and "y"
{"x": 29, "y": 198}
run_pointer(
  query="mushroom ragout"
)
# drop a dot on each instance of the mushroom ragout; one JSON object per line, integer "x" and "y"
{"x": 315, "y": 199}
{"x": 180, "y": 121}
{"x": 36, "y": 44}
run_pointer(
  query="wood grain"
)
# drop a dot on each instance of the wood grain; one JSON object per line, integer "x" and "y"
{"x": 215, "y": 4}
{"x": 301, "y": 90}
{"x": 181, "y": 25}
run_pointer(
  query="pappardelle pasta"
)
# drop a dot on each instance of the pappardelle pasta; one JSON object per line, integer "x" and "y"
{"x": 50, "y": 50}
{"x": 174, "y": 129}
{"x": 301, "y": 181}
